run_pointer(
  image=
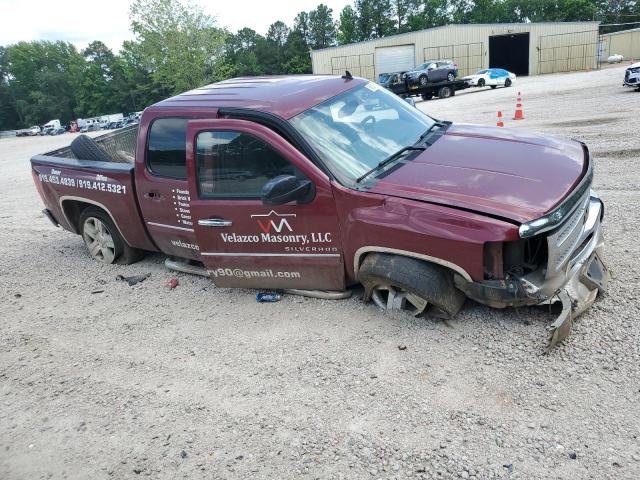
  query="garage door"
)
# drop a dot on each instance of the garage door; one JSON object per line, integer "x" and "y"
{"x": 395, "y": 59}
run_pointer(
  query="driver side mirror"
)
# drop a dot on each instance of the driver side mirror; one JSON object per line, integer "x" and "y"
{"x": 287, "y": 188}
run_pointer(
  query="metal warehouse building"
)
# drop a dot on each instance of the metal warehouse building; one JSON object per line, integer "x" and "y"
{"x": 523, "y": 48}
{"x": 625, "y": 43}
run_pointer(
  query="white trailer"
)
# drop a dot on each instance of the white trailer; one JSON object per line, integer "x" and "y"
{"x": 114, "y": 117}
{"x": 53, "y": 124}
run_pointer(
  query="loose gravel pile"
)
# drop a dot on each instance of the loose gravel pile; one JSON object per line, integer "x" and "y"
{"x": 101, "y": 380}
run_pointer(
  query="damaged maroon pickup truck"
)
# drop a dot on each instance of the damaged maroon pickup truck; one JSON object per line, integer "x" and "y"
{"x": 322, "y": 182}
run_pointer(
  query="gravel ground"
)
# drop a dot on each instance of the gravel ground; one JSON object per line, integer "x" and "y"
{"x": 200, "y": 382}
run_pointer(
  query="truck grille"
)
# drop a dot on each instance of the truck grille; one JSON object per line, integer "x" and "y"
{"x": 567, "y": 238}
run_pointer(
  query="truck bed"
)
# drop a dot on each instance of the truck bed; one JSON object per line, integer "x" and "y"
{"x": 120, "y": 145}
{"x": 68, "y": 184}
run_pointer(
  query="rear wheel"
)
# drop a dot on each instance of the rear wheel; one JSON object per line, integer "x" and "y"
{"x": 451, "y": 77}
{"x": 445, "y": 92}
{"x": 427, "y": 96}
{"x": 423, "y": 80}
{"x": 103, "y": 240}
{"x": 507, "y": 82}
{"x": 407, "y": 284}
{"x": 481, "y": 82}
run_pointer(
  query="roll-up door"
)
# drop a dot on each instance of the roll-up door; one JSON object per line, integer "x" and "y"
{"x": 395, "y": 59}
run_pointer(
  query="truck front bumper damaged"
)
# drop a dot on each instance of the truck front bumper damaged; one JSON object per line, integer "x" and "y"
{"x": 574, "y": 274}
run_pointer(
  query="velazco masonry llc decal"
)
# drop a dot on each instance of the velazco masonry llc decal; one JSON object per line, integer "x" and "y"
{"x": 274, "y": 227}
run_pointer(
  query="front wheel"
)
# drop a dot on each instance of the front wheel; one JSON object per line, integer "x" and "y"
{"x": 423, "y": 80}
{"x": 427, "y": 96}
{"x": 394, "y": 282}
{"x": 103, "y": 240}
{"x": 481, "y": 83}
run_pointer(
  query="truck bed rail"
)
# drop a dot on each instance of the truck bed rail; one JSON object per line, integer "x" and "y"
{"x": 118, "y": 144}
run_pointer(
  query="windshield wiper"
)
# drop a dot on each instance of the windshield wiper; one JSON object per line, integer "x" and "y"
{"x": 429, "y": 131}
{"x": 416, "y": 146}
{"x": 389, "y": 159}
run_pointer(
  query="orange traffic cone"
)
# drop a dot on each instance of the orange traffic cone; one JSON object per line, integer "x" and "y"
{"x": 519, "y": 112}
{"x": 500, "y": 122}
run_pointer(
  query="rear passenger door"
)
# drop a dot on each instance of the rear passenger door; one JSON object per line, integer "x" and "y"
{"x": 443, "y": 70}
{"x": 162, "y": 188}
{"x": 243, "y": 242}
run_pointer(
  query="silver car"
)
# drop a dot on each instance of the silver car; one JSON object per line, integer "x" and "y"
{"x": 432, "y": 71}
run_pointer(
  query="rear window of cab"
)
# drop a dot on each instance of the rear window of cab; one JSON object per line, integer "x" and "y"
{"x": 166, "y": 148}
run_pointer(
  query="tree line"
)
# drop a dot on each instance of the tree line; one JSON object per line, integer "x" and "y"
{"x": 177, "y": 47}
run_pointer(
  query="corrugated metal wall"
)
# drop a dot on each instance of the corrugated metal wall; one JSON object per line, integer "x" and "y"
{"x": 553, "y": 47}
{"x": 625, "y": 43}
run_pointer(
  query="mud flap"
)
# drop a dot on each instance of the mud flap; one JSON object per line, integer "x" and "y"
{"x": 559, "y": 330}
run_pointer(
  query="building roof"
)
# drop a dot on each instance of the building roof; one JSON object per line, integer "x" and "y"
{"x": 456, "y": 25}
{"x": 285, "y": 96}
{"x": 620, "y": 32}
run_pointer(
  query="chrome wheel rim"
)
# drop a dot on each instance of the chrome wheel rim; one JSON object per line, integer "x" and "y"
{"x": 392, "y": 298}
{"x": 423, "y": 80}
{"x": 99, "y": 241}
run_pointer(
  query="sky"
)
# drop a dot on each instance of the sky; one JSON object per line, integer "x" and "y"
{"x": 81, "y": 22}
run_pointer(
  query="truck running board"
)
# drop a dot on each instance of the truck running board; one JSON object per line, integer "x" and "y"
{"x": 186, "y": 266}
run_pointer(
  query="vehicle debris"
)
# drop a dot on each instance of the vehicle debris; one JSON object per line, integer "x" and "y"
{"x": 268, "y": 297}
{"x": 133, "y": 280}
{"x": 171, "y": 283}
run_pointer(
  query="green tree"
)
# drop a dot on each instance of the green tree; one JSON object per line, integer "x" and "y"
{"x": 375, "y": 18}
{"x": 322, "y": 28}
{"x": 241, "y": 53}
{"x": 298, "y": 59}
{"x": 301, "y": 25}
{"x": 42, "y": 78}
{"x": 347, "y": 26}
{"x": 278, "y": 33}
{"x": 428, "y": 14}
{"x": 94, "y": 92}
{"x": 8, "y": 114}
{"x": 133, "y": 83}
{"x": 181, "y": 45}
{"x": 551, "y": 11}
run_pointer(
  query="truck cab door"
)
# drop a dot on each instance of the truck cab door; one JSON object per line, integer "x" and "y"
{"x": 244, "y": 242}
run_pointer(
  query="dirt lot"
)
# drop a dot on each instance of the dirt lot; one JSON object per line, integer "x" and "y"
{"x": 200, "y": 382}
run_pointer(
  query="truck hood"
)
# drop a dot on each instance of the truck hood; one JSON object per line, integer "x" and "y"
{"x": 507, "y": 173}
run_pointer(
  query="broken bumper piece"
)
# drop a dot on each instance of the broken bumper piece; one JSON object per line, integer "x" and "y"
{"x": 578, "y": 295}
{"x": 574, "y": 275}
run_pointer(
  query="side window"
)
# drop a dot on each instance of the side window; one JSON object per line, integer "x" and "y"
{"x": 166, "y": 148}
{"x": 234, "y": 164}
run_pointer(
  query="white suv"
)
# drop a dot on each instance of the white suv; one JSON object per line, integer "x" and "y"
{"x": 632, "y": 76}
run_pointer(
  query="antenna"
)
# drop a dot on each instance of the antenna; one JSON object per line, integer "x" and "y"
{"x": 347, "y": 75}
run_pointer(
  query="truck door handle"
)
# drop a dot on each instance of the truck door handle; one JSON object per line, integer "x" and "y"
{"x": 214, "y": 222}
{"x": 153, "y": 195}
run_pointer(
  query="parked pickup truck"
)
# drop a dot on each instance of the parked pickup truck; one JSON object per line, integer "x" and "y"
{"x": 322, "y": 182}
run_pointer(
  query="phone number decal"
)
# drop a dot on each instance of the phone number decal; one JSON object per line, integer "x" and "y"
{"x": 101, "y": 183}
